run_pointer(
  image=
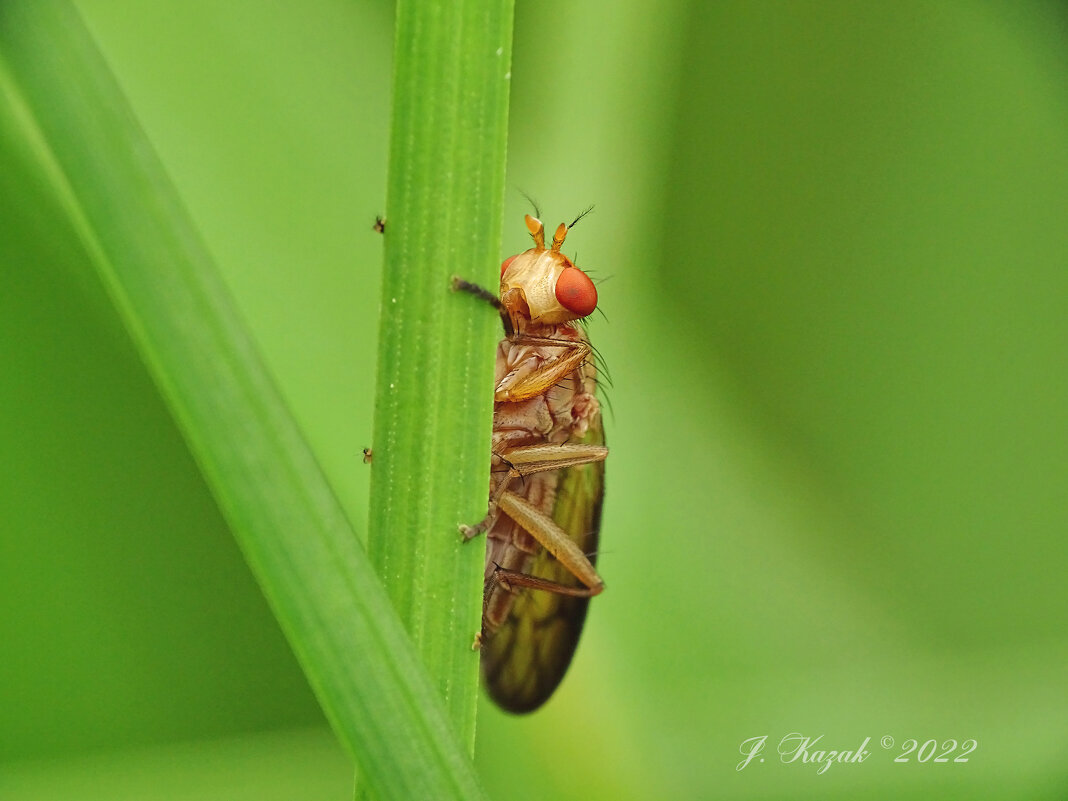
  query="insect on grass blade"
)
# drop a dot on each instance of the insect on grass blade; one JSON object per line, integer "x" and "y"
{"x": 547, "y": 480}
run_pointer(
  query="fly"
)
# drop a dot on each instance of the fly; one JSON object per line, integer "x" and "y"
{"x": 547, "y": 475}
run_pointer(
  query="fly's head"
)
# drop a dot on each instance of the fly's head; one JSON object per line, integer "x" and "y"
{"x": 542, "y": 286}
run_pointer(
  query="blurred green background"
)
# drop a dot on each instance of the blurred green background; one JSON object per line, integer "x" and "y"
{"x": 836, "y": 241}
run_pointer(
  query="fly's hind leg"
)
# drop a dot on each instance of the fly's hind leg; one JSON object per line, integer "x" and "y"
{"x": 512, "y": 581}
{"x": 557, "y": 542}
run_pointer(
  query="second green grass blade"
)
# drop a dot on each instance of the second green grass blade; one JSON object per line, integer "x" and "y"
{"x": 435, "y": 371}
{"x": 58, "y": 95}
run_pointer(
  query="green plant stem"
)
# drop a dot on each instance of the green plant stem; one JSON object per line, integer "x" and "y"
{"x": 433, "y": 407}
{"x": 57, "y": 93}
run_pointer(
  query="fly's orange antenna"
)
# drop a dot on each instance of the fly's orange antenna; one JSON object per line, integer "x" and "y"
{"x": 558, "y": 238}
{"x": 537, "y": 230}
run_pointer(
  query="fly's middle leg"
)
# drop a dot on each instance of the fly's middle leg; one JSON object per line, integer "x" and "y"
{"x": 470, "y": 532}
{"x": 527, "y": 460}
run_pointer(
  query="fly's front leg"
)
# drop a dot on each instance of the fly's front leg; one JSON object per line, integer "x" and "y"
{"x": 461, "y": 285}
{"x": 519, "y": 386}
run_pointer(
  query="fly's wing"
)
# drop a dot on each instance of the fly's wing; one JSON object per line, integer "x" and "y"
{"x": 527, "y": 656}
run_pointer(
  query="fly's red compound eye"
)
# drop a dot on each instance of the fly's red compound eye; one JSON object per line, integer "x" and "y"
{"x": 576, "y": 292}
{"x": 506, "y": 262}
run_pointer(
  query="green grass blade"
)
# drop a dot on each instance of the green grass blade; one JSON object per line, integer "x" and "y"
{"x": 56, "y": 91}
{"x": 435, "y": 358}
